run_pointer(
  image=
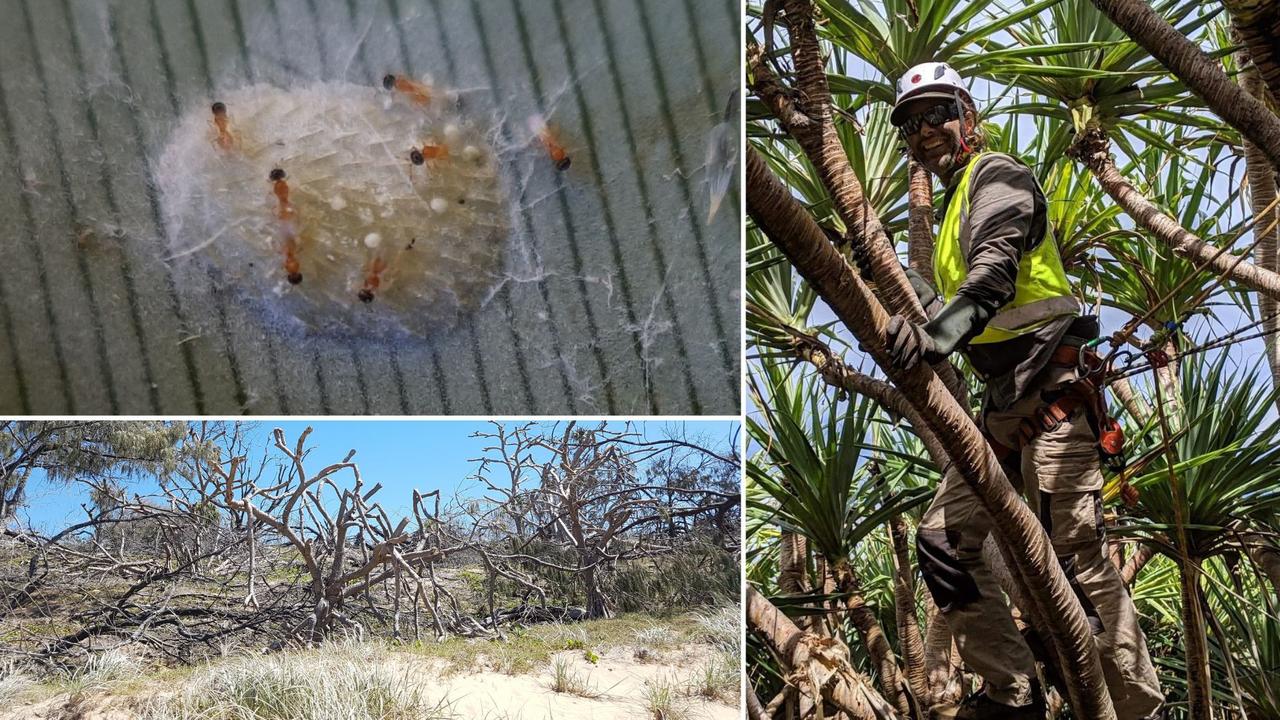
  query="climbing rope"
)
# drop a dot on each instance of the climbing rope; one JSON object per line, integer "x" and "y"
{"x": 1127, "y": 359}
{"x": 1126, "y": 363}
{"x": 1122, "y": 336}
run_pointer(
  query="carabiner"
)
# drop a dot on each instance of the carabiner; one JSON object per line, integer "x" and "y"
{"x": 1124, "y": 359}
{"x": 1083, "y": 364}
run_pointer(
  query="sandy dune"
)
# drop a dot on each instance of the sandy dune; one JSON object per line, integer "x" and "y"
{"x": 620, "y": 680}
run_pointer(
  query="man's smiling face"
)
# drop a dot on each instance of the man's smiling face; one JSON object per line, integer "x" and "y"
{"x": 935, "y": 147}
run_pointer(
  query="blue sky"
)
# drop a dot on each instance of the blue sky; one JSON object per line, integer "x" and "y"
{"x": 402, "y": 455}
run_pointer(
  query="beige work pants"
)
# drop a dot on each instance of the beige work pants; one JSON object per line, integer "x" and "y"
{"x": 1060, "y": 469}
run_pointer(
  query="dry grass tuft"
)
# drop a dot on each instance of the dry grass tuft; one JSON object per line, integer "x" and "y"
{"x": 339, "y": 681}
{"x": 663, "y": 700}
{"x": 564, "y": 679}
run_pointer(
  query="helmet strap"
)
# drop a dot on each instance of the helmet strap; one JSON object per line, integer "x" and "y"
{"x": 963, "y": 130}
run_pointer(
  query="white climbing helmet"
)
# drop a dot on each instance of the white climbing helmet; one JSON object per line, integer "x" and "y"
{"x": 930, "y": 79}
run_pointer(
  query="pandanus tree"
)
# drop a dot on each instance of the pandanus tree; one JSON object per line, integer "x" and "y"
{"x": 1155, "y": 230}
{"x": 1105, "y": 98}
{"x": 810, "y": 468}
{"x": 1209, "y": 487}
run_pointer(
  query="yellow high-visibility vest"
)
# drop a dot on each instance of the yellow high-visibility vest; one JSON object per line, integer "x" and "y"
{"x": 1042, "y": 292}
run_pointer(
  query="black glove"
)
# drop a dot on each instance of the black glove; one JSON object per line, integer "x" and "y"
{"x": 922, "y": 288}
{"x": 907, "y": 342}
{"x": 955, "y": 324}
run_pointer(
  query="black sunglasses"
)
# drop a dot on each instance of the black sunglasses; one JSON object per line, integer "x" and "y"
{"x": 935, "y": 116}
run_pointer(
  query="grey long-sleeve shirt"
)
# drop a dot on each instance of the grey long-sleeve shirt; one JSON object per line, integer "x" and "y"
{"x": 1008, "y": 215}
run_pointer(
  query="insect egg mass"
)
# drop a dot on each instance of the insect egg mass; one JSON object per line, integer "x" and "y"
{"x": 307, "y": 200}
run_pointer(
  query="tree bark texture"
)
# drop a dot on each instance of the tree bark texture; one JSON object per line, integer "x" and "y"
{"x": 920, "y": 220}
{"x": 793, "y": 573}
{"x": 792, "y": 555}
{"x": 806, "y": 115}
{"x": 1134, "y": 403}
{"x": 598, "y": 603}
{"x": 1199, "y": 688}
{"x": 1258, "y": 23}
{"x": 789, "y": 226}
{"x": 941, "y": 658}
{"x": 1266, "y": 555}
{"x": 1093, "y": 149}
{"x": 1198, "y": 72}
{"x": 872, "y": 636}
{"x": 755, "y": 709}
{"x": 1135, "y": 563}
{"x": 818, "y": 667}
{"x": 904, "y": 601}
{"x": 1266, "y": 230}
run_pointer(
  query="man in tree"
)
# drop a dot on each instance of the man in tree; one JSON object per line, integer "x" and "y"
{"x": 1004, "y": 298}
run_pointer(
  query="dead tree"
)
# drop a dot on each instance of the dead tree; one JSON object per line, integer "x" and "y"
{"x": 241, "y": 546}
{"x": 588, "y": 491}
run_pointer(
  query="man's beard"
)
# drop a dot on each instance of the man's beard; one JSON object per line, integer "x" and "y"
{"x": 954, "y": 158}
{"x": 946, "y": 163}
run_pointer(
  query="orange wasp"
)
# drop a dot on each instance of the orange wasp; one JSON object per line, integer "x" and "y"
{"x": 416, "y": 91}
{"x": 288, "y": 223}
{"x": 372, "y": 278}
{"x": 377, "y": 265}
{"x": 549, "y": 141}
{"x": 428, "y": 151}
{"x": 226, "y": 138}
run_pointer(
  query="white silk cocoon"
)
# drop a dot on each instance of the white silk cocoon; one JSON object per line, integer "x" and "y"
{"x": 441, "y": 229}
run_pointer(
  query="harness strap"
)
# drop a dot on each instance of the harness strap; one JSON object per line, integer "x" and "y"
{"x": 1061, "y": 404}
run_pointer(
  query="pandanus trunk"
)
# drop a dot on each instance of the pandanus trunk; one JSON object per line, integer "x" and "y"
{"x": 808, "y": 117}
{"x": 792, "y": 553}
{"x": 872, "y": 635}
{"x": 1093, "y": 148}
{"x": 1171, "y": 387}
{"x": 598, "y": 603}
{"x": 1266, "y": 556}
{"x": 920, "y": 220}
{"x": 1133, "y": 402}
{"x": 1258, "y": 24}
{"x": 829, "y": 624}
{"x": 818, "y": 667}
{"x": 326, "y": 616}
{"x": 941, "y": 659}
{"x": 1135, "y": 563}
{"x": 789, "y": 226}
{"x": 1200, "y": 74}
{"x": 1262, "y": 193}
{"x": 755, "y": 708}
{"x": 1199, "y": 705}
{"x": 904, "y": 601}
{"x": 1199, "y": 702}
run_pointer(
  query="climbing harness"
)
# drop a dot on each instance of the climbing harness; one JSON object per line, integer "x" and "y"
{"x": 1061, "y": 403}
